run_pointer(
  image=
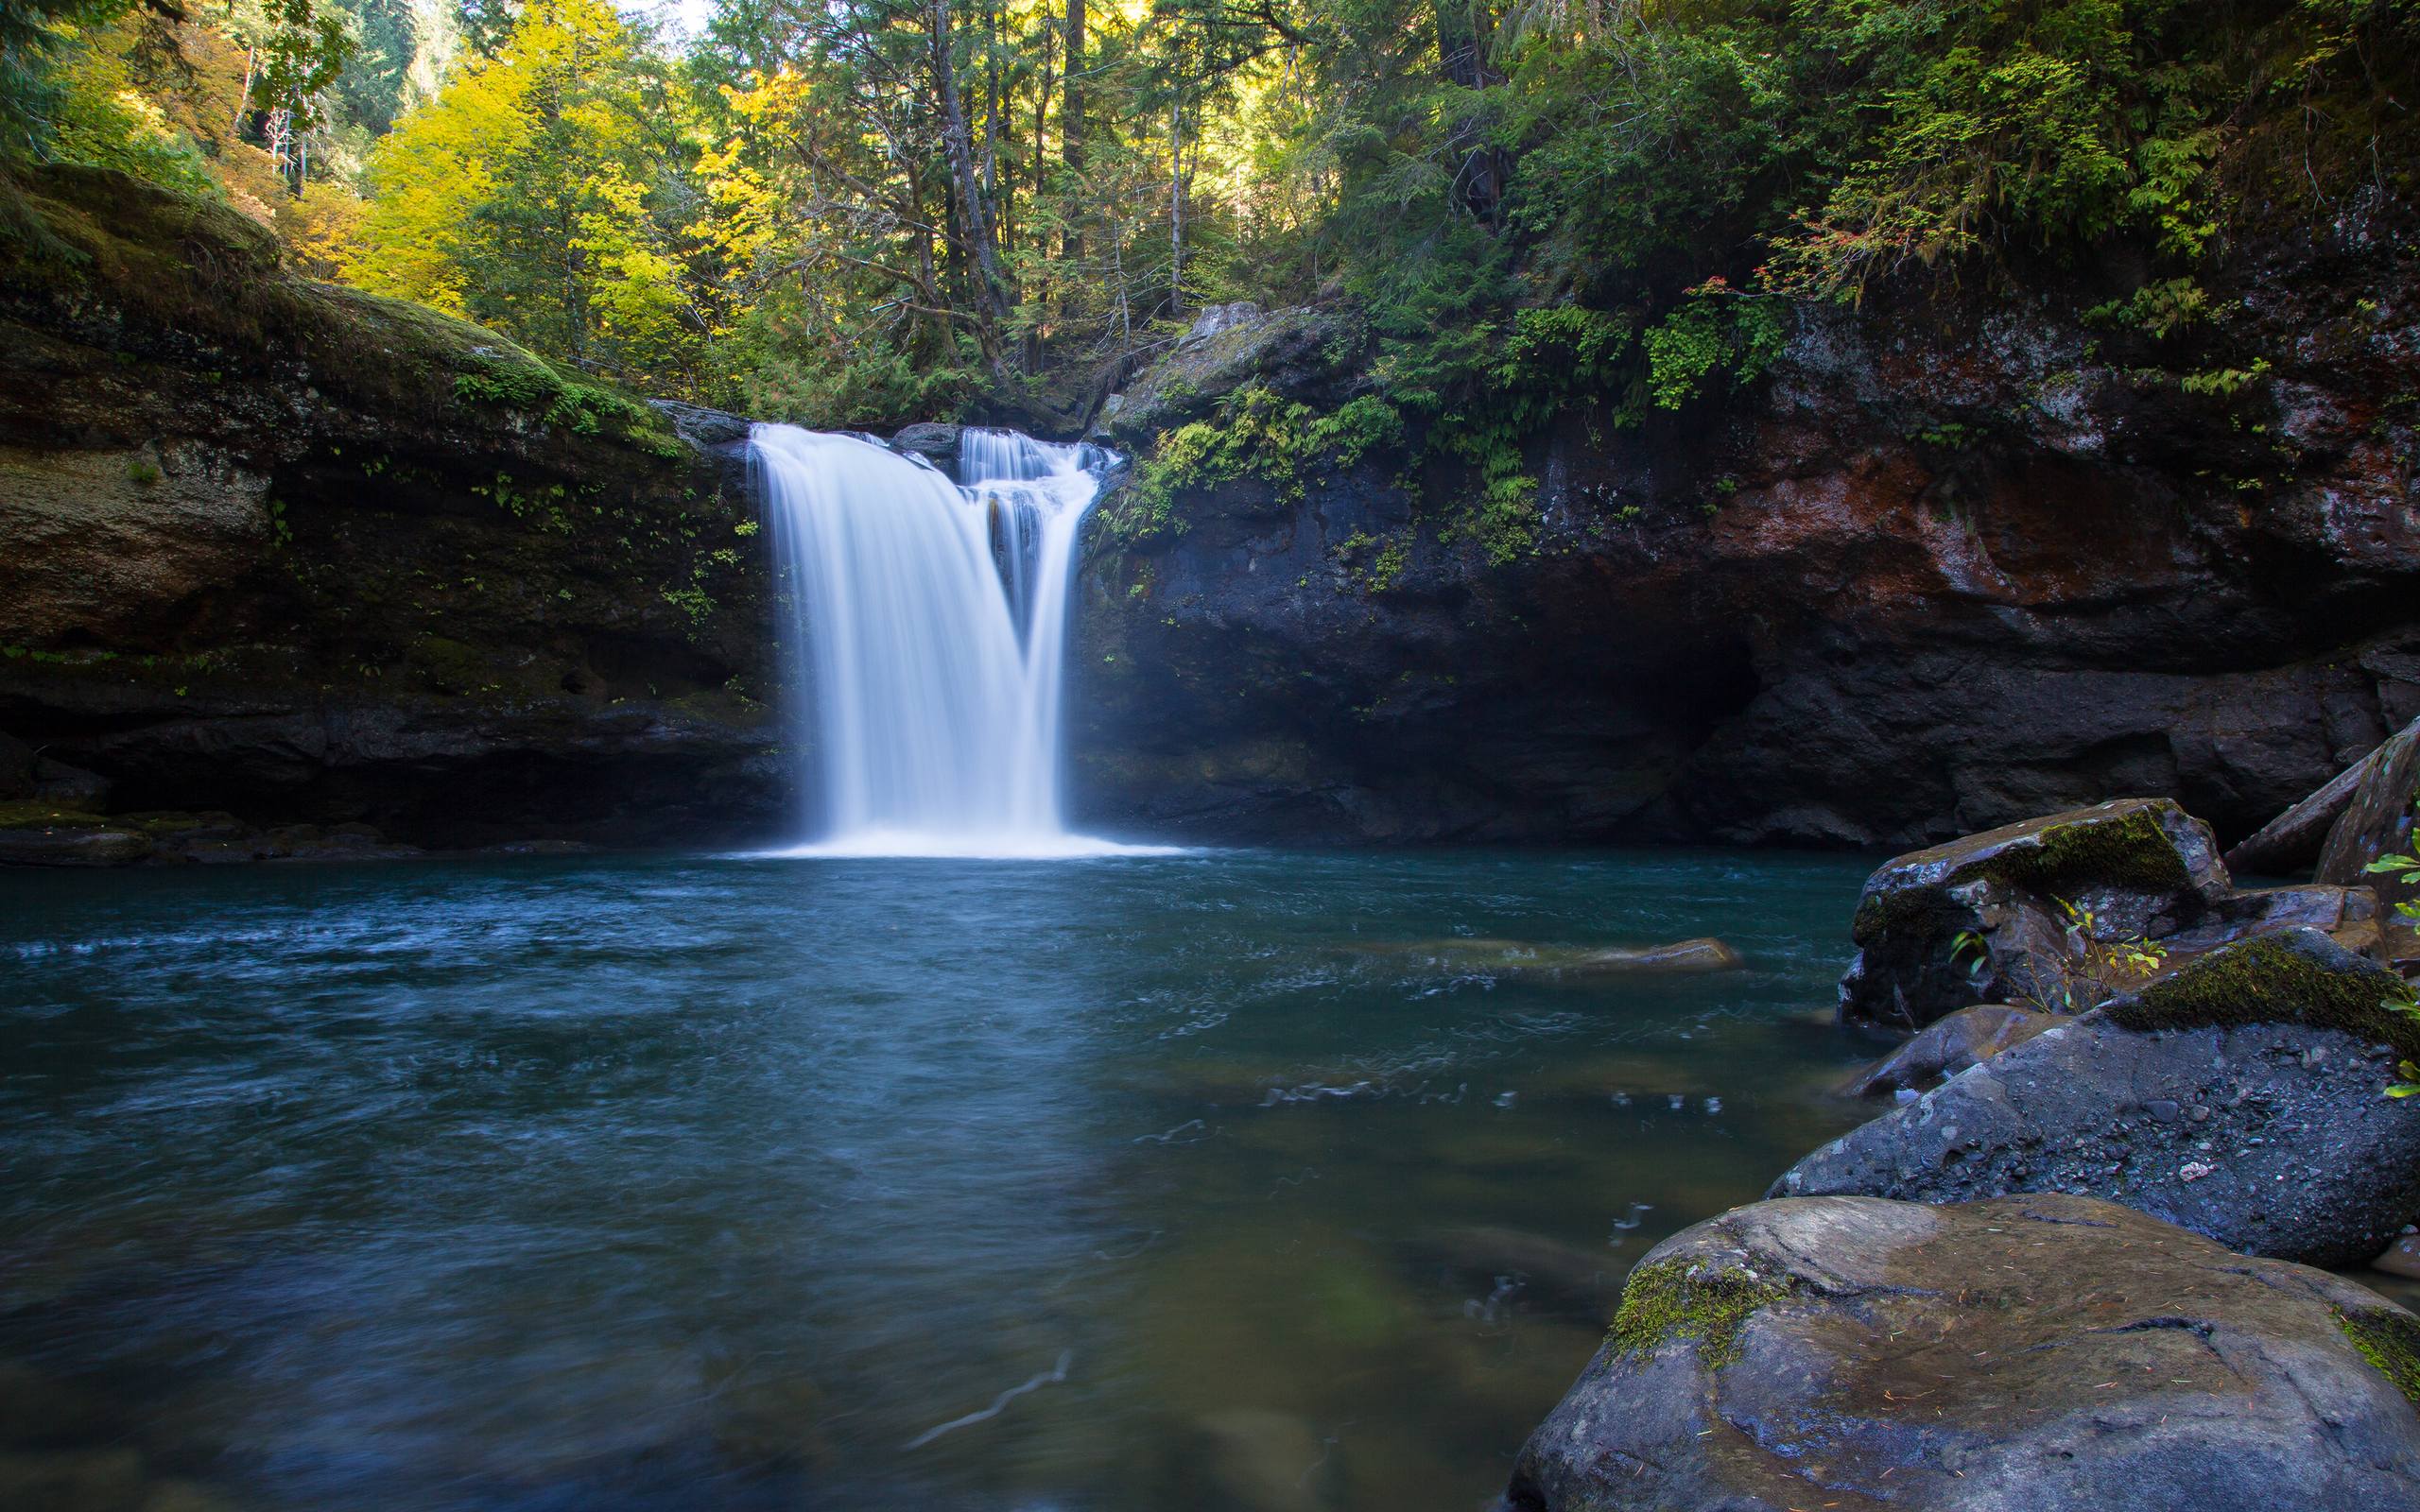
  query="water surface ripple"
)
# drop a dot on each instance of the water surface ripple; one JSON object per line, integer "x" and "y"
{"x": 1138, "y": 1184}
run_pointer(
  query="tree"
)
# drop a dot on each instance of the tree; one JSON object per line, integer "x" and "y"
{"x": 532, "y": 196}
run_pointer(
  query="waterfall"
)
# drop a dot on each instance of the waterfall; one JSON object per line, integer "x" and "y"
{"x": 927, "y": 637}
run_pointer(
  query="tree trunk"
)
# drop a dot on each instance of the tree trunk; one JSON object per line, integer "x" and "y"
{"x": 1176, "y": 208}
{"x": 1071, "y": 121}
{"x": 1463, "y": 37}
{"x": 244, "y": 100}
{"x": 974, "y": 216}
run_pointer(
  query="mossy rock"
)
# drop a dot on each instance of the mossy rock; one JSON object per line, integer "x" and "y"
{"x": 1309, "y": 354}
{"x": 1674, "y": 1300}
{"x": 1987, "y": 917}
{"x": 2147, "y": 847}
{"x": 2050, "y": 1352}
{"x": 39, "y": 814}
{"x": 2389, "y": 1339}
{"x": 2294, "y": 976}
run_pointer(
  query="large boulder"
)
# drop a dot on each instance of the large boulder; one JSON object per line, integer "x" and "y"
{"x": 705, "y": 429}
{"x": 1985, "y": 919}
{"x": 2347, "y": 915}
{"x": 2240, "y": 1098}
{"x": 2377, "y": 818}
{"x": 2028, "y": 1354}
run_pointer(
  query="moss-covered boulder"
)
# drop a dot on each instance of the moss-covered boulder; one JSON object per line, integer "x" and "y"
{"x": 2294, "y": 976}
{"x": 2051, "y": 1353}
{"x": 2242, "y": 1098}
{"x": 2013, "y": 914}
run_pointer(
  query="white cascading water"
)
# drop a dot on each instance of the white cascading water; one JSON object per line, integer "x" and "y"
{"x": 928, "y": 637}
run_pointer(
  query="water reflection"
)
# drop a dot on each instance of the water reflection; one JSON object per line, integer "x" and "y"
{"x": 1112, "y": 1184}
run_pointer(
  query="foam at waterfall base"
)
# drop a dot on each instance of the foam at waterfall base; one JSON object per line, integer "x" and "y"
{"x": 979, "y": 846}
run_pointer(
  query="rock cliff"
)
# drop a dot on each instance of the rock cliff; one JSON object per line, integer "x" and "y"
{"x": 294, "y": 552}
{"x": 1954, "y": 563}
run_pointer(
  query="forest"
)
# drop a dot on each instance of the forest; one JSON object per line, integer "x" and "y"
{"x": 873, "y": 211}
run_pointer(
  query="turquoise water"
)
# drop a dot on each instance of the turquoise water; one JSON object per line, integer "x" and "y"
{"x": 1160, "y": 1184}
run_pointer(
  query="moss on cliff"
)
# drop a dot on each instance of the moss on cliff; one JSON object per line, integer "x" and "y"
{"x": 41, "y": 813}
{"x": 199, "y": 281}
{"x": 1255, "y": 436}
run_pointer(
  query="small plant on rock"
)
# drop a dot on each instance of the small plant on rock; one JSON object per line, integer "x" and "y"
{"x": 2403, "y": 1000}
{"x": 2406, "y": 866}
{"x": 2094, "y": 968}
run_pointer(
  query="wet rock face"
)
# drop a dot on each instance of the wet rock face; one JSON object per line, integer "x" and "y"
{"x": 1946, "y": 571}
{"x": 2242, "y": 1099}
{"x": 2051, "y": 1353}
{"x": 310, "y": 557}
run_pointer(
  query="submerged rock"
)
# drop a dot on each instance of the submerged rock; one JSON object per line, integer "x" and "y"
{"x": 1981, "y": 919}
{"x": 2240, "y": 1098}
{"x": 1943, "y": 1049}
{"x": 1561, "y": 1273}
{"x": 2049, "y": 1353}
{"x": 1254, "y": 1459}
{"x": 2402, "y": 1258}
{"x": 1529, "y": 961}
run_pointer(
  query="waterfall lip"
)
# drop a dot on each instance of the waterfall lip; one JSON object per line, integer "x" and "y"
{"x": 931, "y": 629}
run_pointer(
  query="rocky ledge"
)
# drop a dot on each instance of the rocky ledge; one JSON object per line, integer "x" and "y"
{"x": 306, "y": 557}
